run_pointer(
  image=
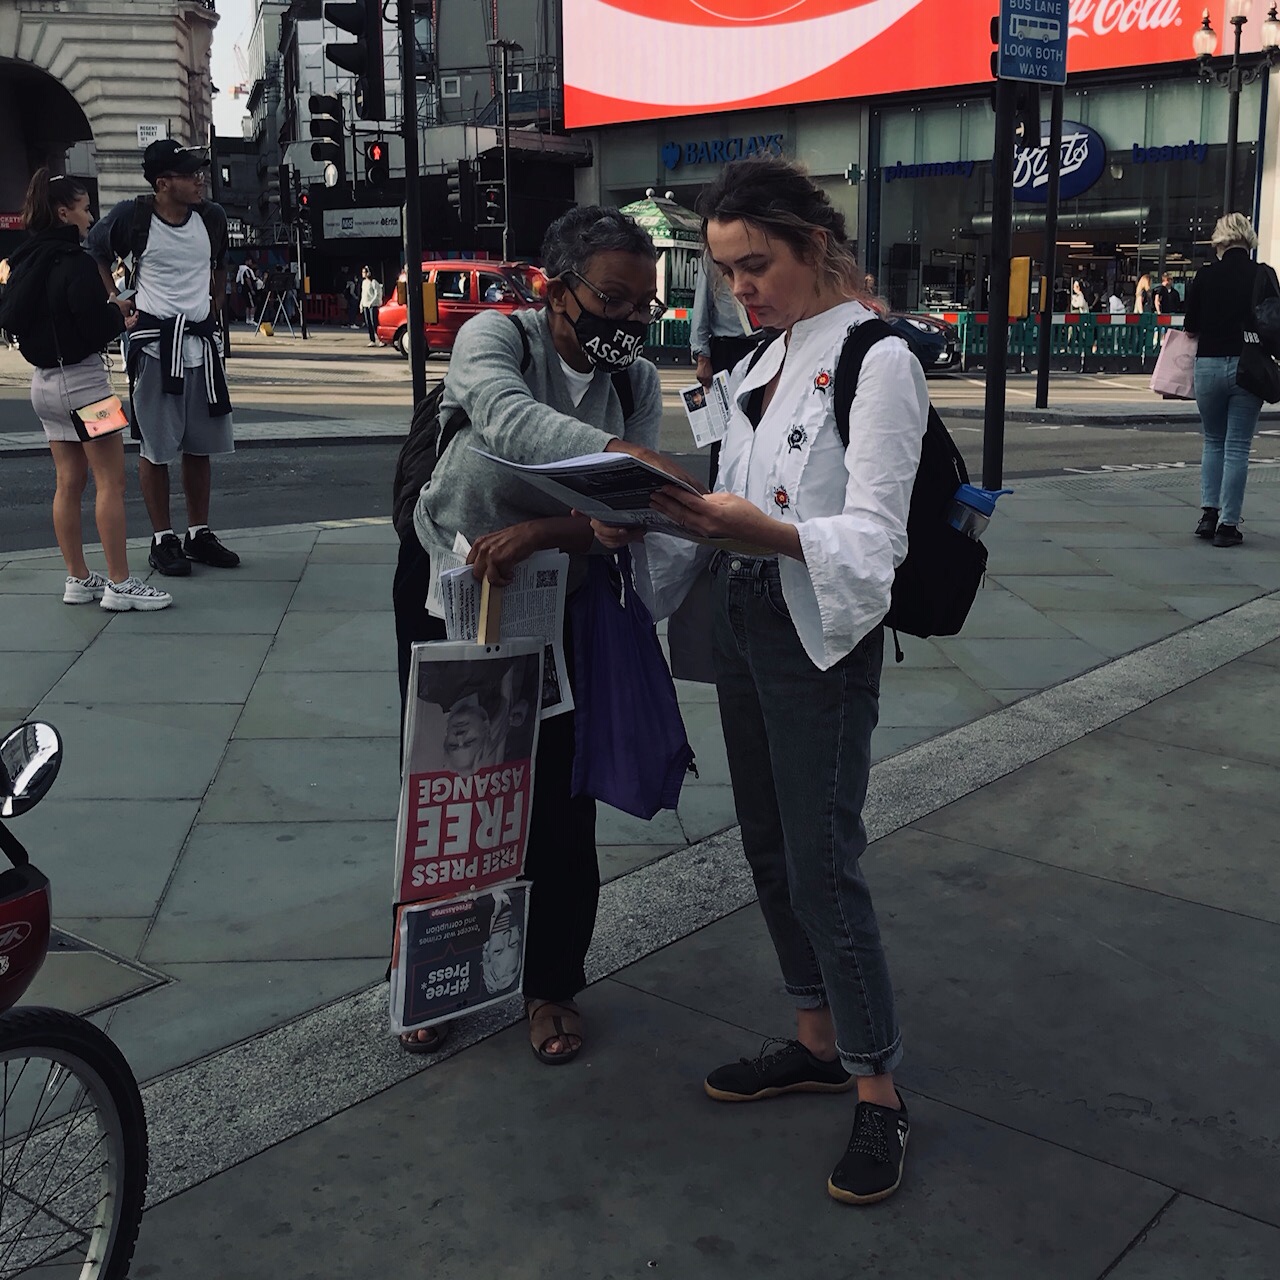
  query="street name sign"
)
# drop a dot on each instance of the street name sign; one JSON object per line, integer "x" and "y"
{"x": 1033, "y": 41}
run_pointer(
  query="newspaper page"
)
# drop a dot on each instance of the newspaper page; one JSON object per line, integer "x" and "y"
{"x": 532, "y": 605}
{"x": 457, "y": 954}
{"x": 443, "y": 561}
{"x": 611, "y": 487}
{"x": 471, "y": 734}
{"x": 707, "y": 409}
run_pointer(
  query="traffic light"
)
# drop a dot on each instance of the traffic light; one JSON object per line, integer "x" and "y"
{"x": 304, "y": 208}
{"x": 363, "y": 58}
{"x": 1026, "y": 114}
{"x": 491, "y": 204}
{"x": 453, "y": 182}
{"x": 328, "y": 129}
{"x": 284, "y": 179}
{"x": 376, "y": 169}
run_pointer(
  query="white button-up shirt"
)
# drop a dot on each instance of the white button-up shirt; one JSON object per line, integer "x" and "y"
{"x": 851, "y": 518}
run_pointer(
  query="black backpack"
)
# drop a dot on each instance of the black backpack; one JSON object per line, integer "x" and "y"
{"x": 935, "y": 586}
{"x": 429, "y": 437}
{"x": 214, "y": 219}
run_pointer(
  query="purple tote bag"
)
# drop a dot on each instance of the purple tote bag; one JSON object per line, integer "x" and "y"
{"x": 631, "y": 749}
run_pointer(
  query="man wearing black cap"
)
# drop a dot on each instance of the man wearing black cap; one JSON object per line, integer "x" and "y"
{"x": 177, "y": 241}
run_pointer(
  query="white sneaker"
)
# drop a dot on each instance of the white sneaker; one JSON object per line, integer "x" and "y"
{"x": 133, "y": 593}
{"x": 84, "y": 590}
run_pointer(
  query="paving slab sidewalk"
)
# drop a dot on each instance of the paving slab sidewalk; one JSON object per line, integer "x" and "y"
{"x": 220, "y": 840}
{"x": 1084, "y": 954}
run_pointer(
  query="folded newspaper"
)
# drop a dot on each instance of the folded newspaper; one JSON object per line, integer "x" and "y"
{"x": 532, "y": 605}
{"x": 613, "y": 488}
{"x": 708, "y": 409}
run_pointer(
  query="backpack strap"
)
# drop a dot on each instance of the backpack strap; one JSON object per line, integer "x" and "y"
{"x": 526, "y": 354}
{"x": 754, "y": 408}
{"x": 860, "y": 339}
{"x": 140, "y": 227}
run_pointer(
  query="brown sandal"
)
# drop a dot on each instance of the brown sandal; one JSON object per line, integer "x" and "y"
{"x": 553, "y": 1020}
{"x": 425, "y": 1039}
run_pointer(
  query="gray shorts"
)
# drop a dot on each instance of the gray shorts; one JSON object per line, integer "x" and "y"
{"x": 170, "y": 425}
{"x": 54, "y": 391}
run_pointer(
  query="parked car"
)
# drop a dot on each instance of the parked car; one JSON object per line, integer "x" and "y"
{"x": 933, "y": 340}
{"x": 464, "y": 288}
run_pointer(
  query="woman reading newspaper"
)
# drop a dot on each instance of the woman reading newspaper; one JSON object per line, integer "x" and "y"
{"x": 798, "y": 643}
{"x": 544, "y": 400}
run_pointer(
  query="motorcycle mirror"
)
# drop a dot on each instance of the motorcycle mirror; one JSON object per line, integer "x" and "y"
{"x": 30, "y": 758}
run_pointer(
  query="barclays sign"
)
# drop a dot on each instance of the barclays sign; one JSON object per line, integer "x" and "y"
{"x": 720, "y": 150}
{"x": 1084, "y": 156}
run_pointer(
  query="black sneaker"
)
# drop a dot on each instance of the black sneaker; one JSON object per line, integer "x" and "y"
{"x": 1228, "y": 535}
{"x": 1208, "y": 525}
{"x": 871, "y": 1168}
{"x": 790, "y": 1069}
{"x": 206, "y": 548}
{"x": 166, "y": 557}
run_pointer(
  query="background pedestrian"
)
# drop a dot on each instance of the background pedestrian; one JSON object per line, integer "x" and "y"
{"x": 1219, "y": 307}
{"x": 67, "y": 325}
{"x": 370, "y": 301}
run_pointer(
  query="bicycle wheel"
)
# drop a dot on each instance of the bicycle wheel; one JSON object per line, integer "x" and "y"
{"x": 73, "y": 1149}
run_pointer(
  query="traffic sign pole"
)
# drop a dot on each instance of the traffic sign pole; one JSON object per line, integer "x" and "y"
{"x": 998, "y": 299}
{"x": 1050, "y": 249}
{"x": 1031, "y": 46}
{"x": 416, "y": 339}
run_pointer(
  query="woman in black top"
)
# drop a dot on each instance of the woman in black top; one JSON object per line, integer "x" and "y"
{"x": 65, "y": 321}
{"x": 1219, "y": 304}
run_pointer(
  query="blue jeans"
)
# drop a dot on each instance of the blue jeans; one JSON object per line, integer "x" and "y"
{"x": 799, "y": 747}
{"x": 1229, "y": 417}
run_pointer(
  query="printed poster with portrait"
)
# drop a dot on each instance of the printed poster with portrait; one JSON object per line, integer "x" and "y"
{"x": 471, "y": 733}
{"x": 457, "y": 955}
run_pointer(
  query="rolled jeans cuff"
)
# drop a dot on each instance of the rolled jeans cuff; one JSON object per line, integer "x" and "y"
{"x": 807, "y": 997}
{"x": 872, "y": 1064}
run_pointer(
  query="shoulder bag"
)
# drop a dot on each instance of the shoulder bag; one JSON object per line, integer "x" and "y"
{"x": 94, "y": 421}
{"x": 1257, "y": 371}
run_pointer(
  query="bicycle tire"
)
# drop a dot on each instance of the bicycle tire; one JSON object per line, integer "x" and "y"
{"x": 73, "y": 1048}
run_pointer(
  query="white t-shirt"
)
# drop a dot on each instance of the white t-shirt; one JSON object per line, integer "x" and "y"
{"x": 173, "y": 278}
{"x": 578, "y": 382}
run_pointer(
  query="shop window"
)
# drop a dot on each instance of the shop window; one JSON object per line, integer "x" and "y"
{"x": 224, "y": 172}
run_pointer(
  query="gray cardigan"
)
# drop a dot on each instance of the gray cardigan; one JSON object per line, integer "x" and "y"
{"x": 524, "y": 417}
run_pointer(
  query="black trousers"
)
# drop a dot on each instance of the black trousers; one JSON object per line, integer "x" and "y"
{"x": 725, "y": 353}
{"x": 371, "y": 322}
{"x": 561, "y": 859}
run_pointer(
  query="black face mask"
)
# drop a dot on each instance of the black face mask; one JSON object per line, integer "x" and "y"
{"x": 609, "y": 344}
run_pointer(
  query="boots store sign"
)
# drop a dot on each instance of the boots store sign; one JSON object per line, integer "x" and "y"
{"x": 1084, "y": 156}
{"x": 648, "y": 59}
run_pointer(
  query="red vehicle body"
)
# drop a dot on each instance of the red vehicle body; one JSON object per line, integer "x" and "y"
{"x": 464, "y": 288}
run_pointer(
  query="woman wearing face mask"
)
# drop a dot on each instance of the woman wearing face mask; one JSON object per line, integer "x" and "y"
{"x": 600, "y": 301}
{"x": 66, "y": 322}
{"x": 798, "y": 642}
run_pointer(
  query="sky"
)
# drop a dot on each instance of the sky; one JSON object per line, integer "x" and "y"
{"x": 235, "y": 24}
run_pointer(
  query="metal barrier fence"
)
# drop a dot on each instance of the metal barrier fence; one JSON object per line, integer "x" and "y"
{"x": 1086, "y": 343}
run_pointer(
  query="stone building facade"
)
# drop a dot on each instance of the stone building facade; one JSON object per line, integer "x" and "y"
{"x": 98, "y": 79}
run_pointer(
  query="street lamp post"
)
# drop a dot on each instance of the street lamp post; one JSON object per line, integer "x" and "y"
{"x": 1240, "y": 73}
{"x": 504, "y": 48}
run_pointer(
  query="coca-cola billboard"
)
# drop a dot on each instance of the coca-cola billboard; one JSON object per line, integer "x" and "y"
{"x": 644, "y": 59}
